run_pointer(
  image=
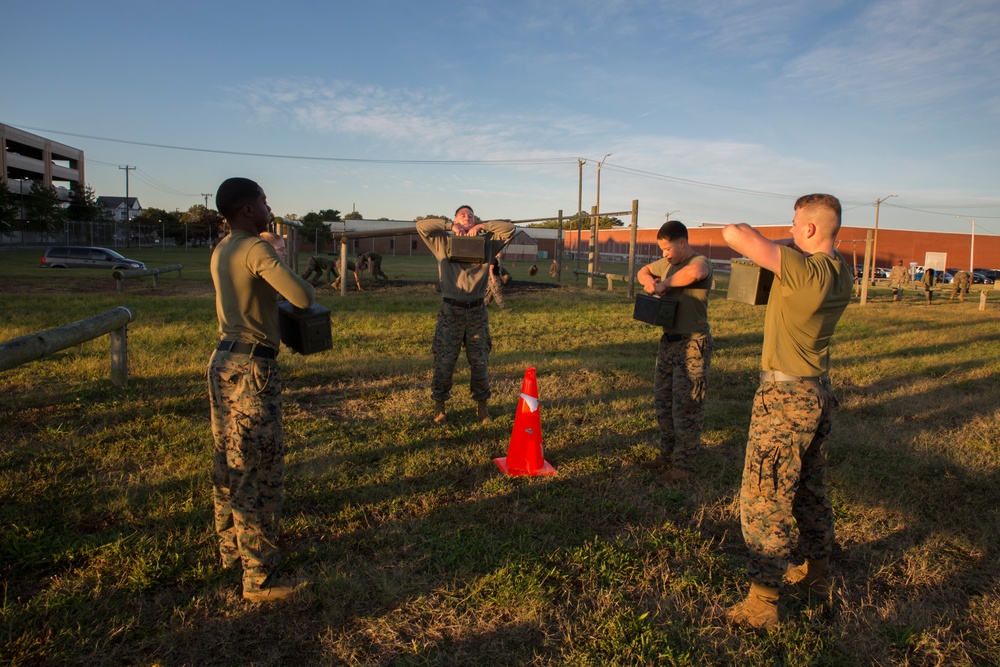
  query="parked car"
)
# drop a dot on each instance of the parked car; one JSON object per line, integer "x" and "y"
{"x": 992, "y": 274}
{"x": 980, "y": 278}
{"x": 87, "y": 257}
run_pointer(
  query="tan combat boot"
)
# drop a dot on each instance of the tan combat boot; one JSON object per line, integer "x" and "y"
{"x": 483, "y": 412}
{"x": 278, "y": 589}
{"x": 811, "y": 579}
{"x": 440, "y": 416}
{"x": 759, "y": 610}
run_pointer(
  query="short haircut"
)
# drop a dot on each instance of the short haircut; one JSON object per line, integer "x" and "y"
{"x": 672, "y": 230}
{"x": 465, "y": 206}
{"x": 823, "y": 201}
{"x": 234, "y": 193}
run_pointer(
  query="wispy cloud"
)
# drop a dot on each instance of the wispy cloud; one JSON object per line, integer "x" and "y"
{"x": 908, "y": 53}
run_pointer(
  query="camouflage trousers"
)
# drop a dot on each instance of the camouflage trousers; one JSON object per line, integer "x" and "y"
{"x": 783, "y": 477}
{"x": 680, "y": 385}
{"x": 313, "y": 267}
{"x": 376, "y": 269}
{"x": 457, "y": 328}
{"x": 248, "y": 470}
{"x": 494, "y": 292}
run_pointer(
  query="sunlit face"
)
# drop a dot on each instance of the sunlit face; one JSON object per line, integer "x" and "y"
{"x": 261, "y": 212}
{"x": 800, "y": 226}
{"x": 279, "y": 247}
{"x": 465, "y": 219}
{"x": 674, "y": 252}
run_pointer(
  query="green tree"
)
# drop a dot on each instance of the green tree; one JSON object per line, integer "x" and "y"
{"x": 83, "y": 205}
{"x": 168, "y": 221}
{"x": 44, "y": 210}
{"x": 604, "y": 222}
{"x": 354, "y": 215}
{"x": 9, "y": 209}
{"x": 203, "y": 224}
{"x": 445, "y": 217}
{"x": 315, "y": 225}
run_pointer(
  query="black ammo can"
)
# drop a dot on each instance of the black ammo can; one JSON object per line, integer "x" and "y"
{"x": 305, "y": 330}
{"x": 749, "y": 283}
{"x": 654, "y": 310}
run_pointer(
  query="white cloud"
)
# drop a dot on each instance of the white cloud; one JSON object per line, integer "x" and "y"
{"x": 908, "y": 52}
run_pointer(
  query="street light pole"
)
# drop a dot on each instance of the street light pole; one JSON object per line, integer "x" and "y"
{"x": 972, "y": 245}
{"x": 597, "y": 219}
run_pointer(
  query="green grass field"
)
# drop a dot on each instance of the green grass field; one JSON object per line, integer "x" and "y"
{"x": 423, "y": 553}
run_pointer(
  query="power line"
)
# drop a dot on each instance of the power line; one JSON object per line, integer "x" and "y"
{"x": 510, "y": 161}
{"x": 321, "y": 158}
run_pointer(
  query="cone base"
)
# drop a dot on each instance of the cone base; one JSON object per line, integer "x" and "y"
{"x": 546, "y": 469}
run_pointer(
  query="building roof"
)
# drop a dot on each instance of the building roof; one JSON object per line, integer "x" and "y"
{"x": 117, "y": 202}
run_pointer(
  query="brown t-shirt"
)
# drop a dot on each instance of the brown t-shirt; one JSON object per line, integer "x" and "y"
{"x": 803, "y": 310}
{"x": 692, "y": 301}
{"x": 248, "y": 276}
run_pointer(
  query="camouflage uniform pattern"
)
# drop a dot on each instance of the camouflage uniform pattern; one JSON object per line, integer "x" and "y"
{"x": 249, "y": 462}
{"x": 898, "y": 278}
{"x": 456, "y": 327}
{"x": 680, "y": 386}
{"x": 783, "y": 477}
{"x": 960, "y": 285}
{"x": 928, "y": 281}
{"x": 494, "y": 292}
{"x": 373, "y": 260}
{"x": 318, "y": 265}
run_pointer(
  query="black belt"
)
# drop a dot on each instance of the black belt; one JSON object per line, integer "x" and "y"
{"x": 674, "y": 338}
{"x": 463, "y": 304}
{"x": 778, "y": 376}
{"x": 253, "y": 349}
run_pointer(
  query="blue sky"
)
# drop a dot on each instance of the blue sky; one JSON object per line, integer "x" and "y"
{"x": 723, "y": 110}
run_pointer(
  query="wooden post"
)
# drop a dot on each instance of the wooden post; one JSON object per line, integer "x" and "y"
{"x": 982, "y": 300}
{"x": 559, "y": 248}
{"x": 35, "y": 346}
{"x": 591, "y": 263}
{"x": 631, "y": 248}
{"x": 119, "y": 356}
{"x": 864, "y": 273}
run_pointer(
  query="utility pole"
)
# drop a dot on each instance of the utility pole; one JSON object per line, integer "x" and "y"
{"x": 206, "y": 196}
{"x": 579, "y": 213}
{"x": 128, "y": 208}
{"x": 869, "y": 269}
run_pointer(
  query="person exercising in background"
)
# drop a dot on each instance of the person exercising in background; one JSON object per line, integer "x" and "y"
{"x": 373, "y": 262}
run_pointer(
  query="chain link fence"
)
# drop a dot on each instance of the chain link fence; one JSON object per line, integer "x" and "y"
{"x": 112, "y": 235}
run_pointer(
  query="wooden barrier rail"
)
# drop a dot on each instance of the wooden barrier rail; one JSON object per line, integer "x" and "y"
{"x": 21, "y": 350}
{"x": 120, "y": 275}
{"x": 612, "y": 277}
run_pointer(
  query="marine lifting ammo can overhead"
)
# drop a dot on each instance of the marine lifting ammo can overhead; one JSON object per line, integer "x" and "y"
{"x": 470, "y": 249}
{"x": 749, "y": 283}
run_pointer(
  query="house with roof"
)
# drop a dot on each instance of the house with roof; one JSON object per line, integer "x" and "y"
{"x": 122, "y": 208}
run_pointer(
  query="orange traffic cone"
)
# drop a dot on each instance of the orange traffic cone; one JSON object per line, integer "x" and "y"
{"x": 524, "y": 455}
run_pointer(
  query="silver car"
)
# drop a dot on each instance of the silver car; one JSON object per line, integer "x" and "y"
{"x": 87, "y": 257}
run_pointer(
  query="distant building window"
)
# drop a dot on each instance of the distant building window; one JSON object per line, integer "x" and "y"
{"x": 392, "y": 244}
{"x": 413, "y": 245}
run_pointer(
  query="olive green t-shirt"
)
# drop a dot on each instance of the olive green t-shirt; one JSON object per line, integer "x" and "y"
{"x": 692, "y": 301}
{"x": 248, "y": 276}
{"x": 803, "y": 310}
{"x": 465, "y": 281}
